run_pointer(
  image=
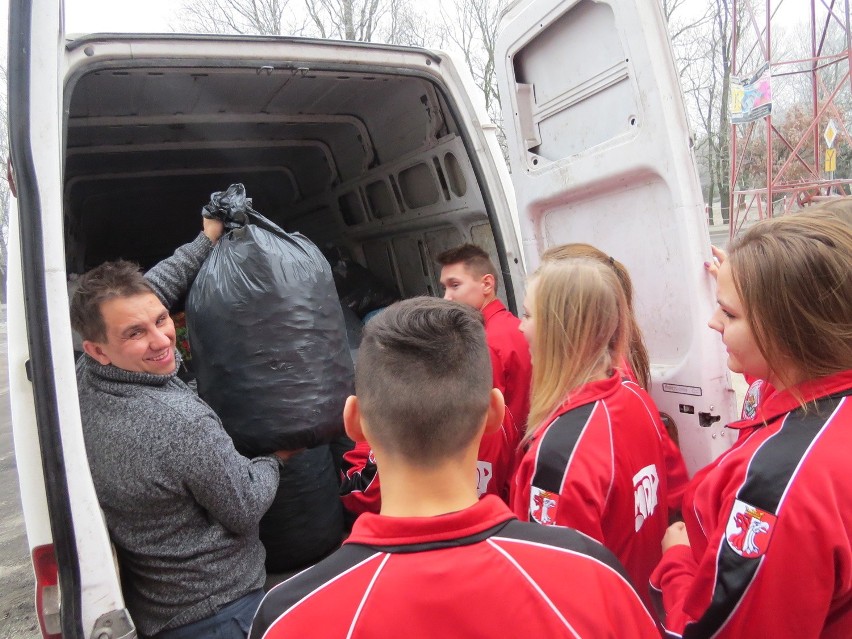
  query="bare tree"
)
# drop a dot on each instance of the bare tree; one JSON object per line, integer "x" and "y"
{"x": 472, "y": 28}
{"x": 363, "y": 20}
{"x": 701, "y": 42}
{"x": 410, "y": 25}
{"x": 347, "y": 19}
{"x": 262, "y": 17}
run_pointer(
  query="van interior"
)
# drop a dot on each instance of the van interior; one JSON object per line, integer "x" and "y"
{"x": 371, "y": 166}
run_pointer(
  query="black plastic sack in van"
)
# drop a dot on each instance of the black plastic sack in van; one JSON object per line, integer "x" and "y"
{"x": 305, "y": 521}
{"x": 266, "y": 330}
{"x": 359, "y": 289}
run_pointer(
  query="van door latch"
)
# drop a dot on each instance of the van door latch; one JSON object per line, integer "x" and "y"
{"x": 706, "y": 420}
{"x": 115, "y": 624}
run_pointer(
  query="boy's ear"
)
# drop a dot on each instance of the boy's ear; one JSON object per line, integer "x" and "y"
{"x": 93, "y": 350}
{"x": 352, "y": 419}
{"x": 496, "y": 411}
{"x": 488, "y": 283}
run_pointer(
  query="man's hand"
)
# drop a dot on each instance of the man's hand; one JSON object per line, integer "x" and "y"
{"x": 213, "y": 229}
{"x": 285, "y": 455}
{"x": 675, "y": 536}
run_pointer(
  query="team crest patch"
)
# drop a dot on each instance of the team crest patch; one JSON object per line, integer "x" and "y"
{"x": 752, "y": 400}
{"x": 543, "y": 506}
{"x": 749, "y": 530}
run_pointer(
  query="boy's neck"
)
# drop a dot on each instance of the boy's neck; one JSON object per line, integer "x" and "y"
{"x": 487, "y": 301}
{"x": 413, "y": 491}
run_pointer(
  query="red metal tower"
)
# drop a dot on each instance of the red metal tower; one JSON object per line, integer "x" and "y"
{"x": 776, "y": 167}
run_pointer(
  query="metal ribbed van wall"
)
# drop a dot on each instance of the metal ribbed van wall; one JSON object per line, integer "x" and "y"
{"x": 384, "y": 153}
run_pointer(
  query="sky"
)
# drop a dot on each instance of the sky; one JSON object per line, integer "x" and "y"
{"x": 90, "y": 16}
{"x": 119, "y": 15}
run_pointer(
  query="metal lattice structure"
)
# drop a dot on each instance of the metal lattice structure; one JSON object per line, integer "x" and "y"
{"x": 780, "y": 165}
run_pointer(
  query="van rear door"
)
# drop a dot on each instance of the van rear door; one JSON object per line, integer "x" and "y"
{"x": 77, "y": 592}
{"x": 600, "y": 153}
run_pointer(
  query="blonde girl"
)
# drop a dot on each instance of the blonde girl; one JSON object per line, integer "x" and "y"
{"x": 594, "y": 458}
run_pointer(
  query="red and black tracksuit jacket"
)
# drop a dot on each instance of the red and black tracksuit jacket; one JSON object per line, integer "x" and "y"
{"x": 474, "y": 573}
{"x": 770, "y": 524}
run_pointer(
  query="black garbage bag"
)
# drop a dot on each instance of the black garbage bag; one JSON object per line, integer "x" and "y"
{"x": 359, "y": 289}
{"x": 305, "y": 521}
{"x": 266, "y": 329}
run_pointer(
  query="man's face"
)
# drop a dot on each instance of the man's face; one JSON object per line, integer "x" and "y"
{"x": 140, "y": 335}
{"x": 460, "y": 285}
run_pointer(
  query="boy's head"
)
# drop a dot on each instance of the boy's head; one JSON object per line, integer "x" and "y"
{"x": 423, "y": 381}
{"x": 468, "y": 276}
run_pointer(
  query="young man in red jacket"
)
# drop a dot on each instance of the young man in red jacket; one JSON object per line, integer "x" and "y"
{"x": 468, "y": 276}
{"x": 438, "y": 561}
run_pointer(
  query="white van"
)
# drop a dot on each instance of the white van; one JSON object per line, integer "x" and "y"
{"x": 383, "y": 152}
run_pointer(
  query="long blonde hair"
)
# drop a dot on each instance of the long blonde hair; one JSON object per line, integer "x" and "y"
{"x": 637, "y": 352}
{"x": 794, "y": 277}
{"x": 581, "y": 330}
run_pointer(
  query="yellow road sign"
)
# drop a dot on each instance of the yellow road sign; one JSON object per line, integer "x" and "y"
{"x": 830, "y": 134}
{"x": 830, "y": 160}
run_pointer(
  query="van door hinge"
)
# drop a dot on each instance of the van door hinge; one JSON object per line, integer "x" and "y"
{"x": 28, "y": 367}
{"x": 115, "y": 624}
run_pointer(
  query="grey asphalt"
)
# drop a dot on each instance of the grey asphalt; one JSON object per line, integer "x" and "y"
{"x": 17, "y": 610}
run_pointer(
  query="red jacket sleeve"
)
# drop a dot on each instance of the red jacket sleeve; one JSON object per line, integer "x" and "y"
{"x": 779, "y": 601}
{"x": 676, "y": 475}
{"x": 359, "y": 487}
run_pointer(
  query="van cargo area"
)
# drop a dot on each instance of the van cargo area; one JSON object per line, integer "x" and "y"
{"x": 369, "y": 164}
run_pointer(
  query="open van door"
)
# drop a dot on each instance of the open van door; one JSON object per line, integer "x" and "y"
{"x": 599, "y": 151}
{"x": 77, "y": 587}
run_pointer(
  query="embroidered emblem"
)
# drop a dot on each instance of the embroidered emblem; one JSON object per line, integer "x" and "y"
{"x": 646, "y": 489}
{"x": 752, "y": 400}
{"x": 484, "y": 472}
{"x": 749, "y": 530}
{"x": 543, "y": 506}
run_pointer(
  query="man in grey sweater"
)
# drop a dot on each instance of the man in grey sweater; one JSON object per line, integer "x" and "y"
{"x": 181, "y": 504}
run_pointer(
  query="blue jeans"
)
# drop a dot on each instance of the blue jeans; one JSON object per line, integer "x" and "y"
{"x": 231, "y": 622}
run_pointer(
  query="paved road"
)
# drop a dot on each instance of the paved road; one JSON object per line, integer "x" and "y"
{"x": 17, "y": 615}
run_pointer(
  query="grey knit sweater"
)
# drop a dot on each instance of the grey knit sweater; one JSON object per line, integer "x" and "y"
{"x": 181, "y": 504}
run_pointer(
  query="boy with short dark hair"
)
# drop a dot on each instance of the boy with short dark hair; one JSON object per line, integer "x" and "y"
{"x": 468, "y": 276}
{"x": 438, "y": 561}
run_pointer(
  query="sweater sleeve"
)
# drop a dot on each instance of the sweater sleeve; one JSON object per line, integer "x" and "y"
{"x": 235, "y": 491}
{"x": 172, "y": 277}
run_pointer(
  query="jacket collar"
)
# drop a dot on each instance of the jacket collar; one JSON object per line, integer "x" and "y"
{"x": 492, "y": 308}
{"x": 379, "y": 530}
{"x": 782, "y": 402}
{"x": 112, "y": 373}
